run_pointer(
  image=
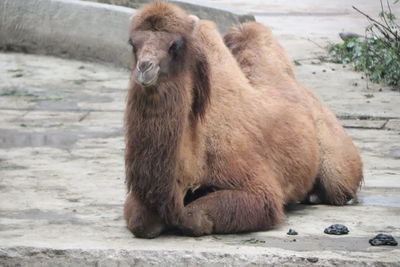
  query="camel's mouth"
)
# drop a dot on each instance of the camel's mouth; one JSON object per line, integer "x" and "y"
{"x": 148, "y": 77}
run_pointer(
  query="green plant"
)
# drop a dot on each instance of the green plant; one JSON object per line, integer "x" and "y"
{"x": 378, "y": 54}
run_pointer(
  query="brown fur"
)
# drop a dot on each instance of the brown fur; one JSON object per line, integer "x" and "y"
{"x": 264, "y": 63}
{"x": 274, "y": 61}
{"x": 208, "y": 125}
{"x": 155, "y": 123}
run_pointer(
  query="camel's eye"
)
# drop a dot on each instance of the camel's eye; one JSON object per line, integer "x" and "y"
{"x": 175, "y": 47}
{"x": 132, "y": 44}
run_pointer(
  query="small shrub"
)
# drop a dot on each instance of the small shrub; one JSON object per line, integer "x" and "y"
{"x": 378, "y": 54}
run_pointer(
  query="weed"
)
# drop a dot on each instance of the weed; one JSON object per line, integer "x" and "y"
{"x": 378, "y": 54}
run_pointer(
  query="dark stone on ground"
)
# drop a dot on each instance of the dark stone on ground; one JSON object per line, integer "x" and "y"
{"x": 292, "y": 232}
{"x": 336, "y": 229}
{"x": 312, "y": 259}
{"x": 383, "y": 240}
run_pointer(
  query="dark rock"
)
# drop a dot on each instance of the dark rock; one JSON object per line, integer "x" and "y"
{"x": 292, "y": 232}
{"x": 312, "y": 259}
{"x": 349, "y": 35}
{"x": 297, "y": 63}
{"x": 383, "y": 240}
{"x": 336, "y": 229}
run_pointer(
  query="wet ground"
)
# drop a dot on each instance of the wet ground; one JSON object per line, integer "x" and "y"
{"x": 62, "y": 174}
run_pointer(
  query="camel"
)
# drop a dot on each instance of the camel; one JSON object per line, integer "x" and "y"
{"x": 213, "y": 145}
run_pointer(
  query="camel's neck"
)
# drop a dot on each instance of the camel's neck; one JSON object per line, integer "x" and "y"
{"x": 154, "y": 126}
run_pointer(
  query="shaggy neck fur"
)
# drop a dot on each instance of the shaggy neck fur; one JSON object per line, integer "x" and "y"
{"x": 156, "y": 118}
{"x": 154, "y": 125}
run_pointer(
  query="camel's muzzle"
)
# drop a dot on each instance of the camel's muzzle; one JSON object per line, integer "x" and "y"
{"x": 146, "y": 73}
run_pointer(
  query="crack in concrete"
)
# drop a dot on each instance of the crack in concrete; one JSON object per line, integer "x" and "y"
{"x": 365, "y": 117}
{"x": 84, "y": 116}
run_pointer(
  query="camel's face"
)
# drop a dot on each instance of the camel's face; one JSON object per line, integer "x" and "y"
{"x": 155, "y": 55}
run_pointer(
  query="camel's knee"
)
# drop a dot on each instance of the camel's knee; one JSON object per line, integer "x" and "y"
{"x": 336, "y": 196}
{"x": 142, "y": 228}
{"x": 142, "y": 222}
{"x": 341, "y": 169}
{"x": 333, "y": 190}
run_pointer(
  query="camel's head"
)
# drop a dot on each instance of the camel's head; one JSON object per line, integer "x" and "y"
{"x": 165, "y": 48}
{"x": 159, "y": 37}
{"x": 155, "y": 54}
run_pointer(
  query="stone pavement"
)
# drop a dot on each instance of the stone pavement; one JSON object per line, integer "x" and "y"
{"x": 62, "y": 176}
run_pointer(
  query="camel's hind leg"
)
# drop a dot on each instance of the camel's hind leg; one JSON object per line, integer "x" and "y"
{"x": 340, "y": 172}
{"x": 234, "y": 211}
{"x": 230, "y": 211}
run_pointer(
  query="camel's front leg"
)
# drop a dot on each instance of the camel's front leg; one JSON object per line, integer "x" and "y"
{"x": 231, "y": 211}
{"x": 140, "y": 220}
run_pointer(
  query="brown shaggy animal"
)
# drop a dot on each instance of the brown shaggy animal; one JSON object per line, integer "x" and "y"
{"x": 213, "y": 146}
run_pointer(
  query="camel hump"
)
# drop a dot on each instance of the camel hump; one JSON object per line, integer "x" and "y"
{"x": 249, "y": 32}
{"x": 257, "y": 51}
{"x": 162, "y": 16}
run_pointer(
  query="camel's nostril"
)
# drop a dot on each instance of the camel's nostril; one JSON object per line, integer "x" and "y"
{"x": 146, "y": 73}
{"x": 145, "y": 65}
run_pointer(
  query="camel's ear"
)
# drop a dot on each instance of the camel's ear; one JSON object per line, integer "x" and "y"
{"x": 201, "y": 86}
{"x": 193, "y": 20}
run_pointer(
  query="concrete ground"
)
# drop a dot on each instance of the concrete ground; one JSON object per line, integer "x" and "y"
{"x": 62, "y": 176}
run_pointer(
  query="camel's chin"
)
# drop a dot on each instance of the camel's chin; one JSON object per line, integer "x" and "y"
{"x": 149, "y": 84}
{"x": 147, "y": 79}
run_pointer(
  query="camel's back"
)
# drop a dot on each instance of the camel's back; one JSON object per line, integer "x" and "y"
{"x": 255, "y": 128}
{"x": 265, "y": 65}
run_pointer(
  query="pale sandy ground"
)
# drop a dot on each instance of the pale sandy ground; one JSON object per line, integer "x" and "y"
{"x": 61, "y": 160}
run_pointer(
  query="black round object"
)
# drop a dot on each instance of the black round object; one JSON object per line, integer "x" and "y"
{"x": 292, "y": 232}
{"x": 383, "y": 240}
{"x": 336, "y": 229}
